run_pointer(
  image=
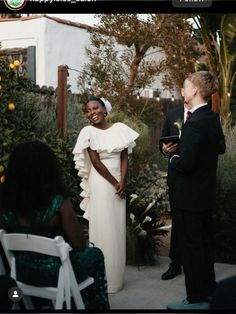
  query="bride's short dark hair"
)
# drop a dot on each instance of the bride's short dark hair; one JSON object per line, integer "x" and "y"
{"x": 94, "y": 98}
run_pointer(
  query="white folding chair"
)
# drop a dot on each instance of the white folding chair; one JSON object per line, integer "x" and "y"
{"x": 67, "y": 285}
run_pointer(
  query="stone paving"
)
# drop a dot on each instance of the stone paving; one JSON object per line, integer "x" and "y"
{"x": 144, "y": 289}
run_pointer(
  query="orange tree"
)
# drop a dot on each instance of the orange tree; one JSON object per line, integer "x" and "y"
{"x": 12, "y": 86}
{"x": 25, "y": 116}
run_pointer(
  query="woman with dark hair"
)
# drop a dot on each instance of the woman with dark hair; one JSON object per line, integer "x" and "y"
{"x": 34, "y": 200}
{"x": 101, "y": 158}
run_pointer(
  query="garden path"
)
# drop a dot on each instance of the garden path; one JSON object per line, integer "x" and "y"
{"x": 144, "y": 289}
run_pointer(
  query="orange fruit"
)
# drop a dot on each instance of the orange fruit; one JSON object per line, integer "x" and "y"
{"x": 2, "y": 179}
{"x": 11, "y": 106}
{"x": 16, "y": 63}
{"x": 1, "y": 168}
{"x": 11, "y": 65}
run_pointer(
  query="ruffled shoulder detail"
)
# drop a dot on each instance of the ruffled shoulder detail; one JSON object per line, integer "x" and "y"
{"x": 114, "y": 139}
{"x": 83, "y": 165}
{"x": 125, "y": 137}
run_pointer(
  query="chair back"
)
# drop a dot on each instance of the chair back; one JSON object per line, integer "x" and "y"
{"x": 12, "y": 242}
{"x": 67, "y": 285}
{"x": 33, "y": 243}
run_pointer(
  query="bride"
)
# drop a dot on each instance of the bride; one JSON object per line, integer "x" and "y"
{"x": 101, "y": 158}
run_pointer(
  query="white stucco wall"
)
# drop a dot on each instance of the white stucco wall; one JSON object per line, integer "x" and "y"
{"x": 64, "y": 44}
{"x": 21, "y": 34}
{"x": 56, "y": 44}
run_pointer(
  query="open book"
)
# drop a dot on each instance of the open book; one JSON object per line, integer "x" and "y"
{"x": 174, "y": 139}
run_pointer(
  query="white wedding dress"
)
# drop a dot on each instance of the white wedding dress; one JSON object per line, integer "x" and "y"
{"x": 105, "y": 210}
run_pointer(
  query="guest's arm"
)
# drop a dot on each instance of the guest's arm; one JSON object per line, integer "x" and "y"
{"x": 71, "y": 226}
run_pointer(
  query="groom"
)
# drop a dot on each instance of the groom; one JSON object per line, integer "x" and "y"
{"x": 194, "y": 190}
{"x": 172, "y": 126}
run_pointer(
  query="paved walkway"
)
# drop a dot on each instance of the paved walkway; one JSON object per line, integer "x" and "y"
{"x": 144, "y": 289}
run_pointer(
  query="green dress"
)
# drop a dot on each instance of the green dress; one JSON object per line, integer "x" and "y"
{"x": 38, "y": 269}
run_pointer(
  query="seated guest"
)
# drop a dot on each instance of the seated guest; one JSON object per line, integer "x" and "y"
{"x": 34, "y": 200}
{"x": 224, "y": 297}
{"x": 6, "y": 283}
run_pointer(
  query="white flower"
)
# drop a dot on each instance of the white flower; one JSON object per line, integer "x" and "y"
{"x": 178, "y": 124}
{"x": 132, "y": 217}
{"x": 133, "y": 197}
{"x": 107, "y": 105}
{"x": 165, "y": 227}
{"x": 143, "y": 233}
{"x": 146, "y": 219}
{"x": 150, "y": 205}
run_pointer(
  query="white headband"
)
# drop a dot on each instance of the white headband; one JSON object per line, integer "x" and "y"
{"x": 107, "y": 105}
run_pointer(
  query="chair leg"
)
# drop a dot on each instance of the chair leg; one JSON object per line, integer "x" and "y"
{"x": 27, "y": 302}
{"x": 78, "y": 301}
{"x": 60, "y": 292}
{"x": 75, "y": 291}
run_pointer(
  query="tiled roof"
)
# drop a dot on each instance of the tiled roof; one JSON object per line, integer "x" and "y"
{"x": 56, "y": 19}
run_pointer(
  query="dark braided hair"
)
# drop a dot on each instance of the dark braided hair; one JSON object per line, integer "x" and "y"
{"x": 33, "y": 176}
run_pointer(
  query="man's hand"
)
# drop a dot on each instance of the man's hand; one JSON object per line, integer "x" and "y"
{"x": 169, "y": 148}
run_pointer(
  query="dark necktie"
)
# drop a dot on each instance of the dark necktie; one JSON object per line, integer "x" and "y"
{"x": 188, "y": 115}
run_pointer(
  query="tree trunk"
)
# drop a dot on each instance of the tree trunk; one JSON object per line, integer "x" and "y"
{"x": 133, "y": 73}
{"x": 215, "y": 102}
{"x": 140, "y": 53}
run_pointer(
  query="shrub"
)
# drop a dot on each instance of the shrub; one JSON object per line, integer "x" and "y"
{"x": 12, "y": 89}
{"x": 45, "y": 129}
{"x": 147, "y": 202}
{"x": 225, "y": 214}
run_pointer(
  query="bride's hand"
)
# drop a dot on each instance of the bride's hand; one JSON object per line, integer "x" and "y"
{"x": 120, "y": 189}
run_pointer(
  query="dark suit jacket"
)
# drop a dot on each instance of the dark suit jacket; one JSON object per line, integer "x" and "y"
{"x": 169, "y": 128}
{"x": 202, "y": 140}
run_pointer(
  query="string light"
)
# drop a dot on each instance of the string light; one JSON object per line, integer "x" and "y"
{"x": 157, "y": 94}
{"x": 138, "y": 95}
{"x": 172, "y": 98}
